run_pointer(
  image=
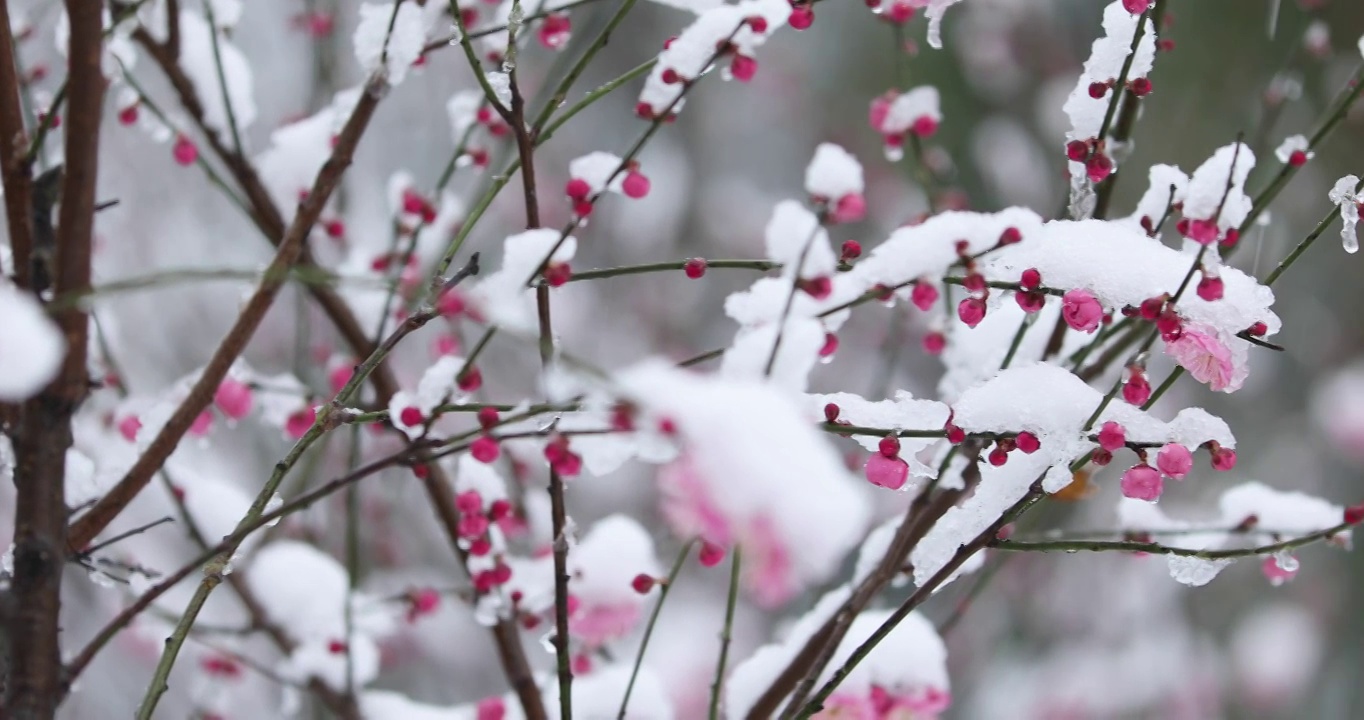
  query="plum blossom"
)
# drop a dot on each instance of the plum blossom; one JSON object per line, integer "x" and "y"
{"x": 895, "y": 115}
{"x": 1082, "y": 311}
{"x": 1219, "y": 362}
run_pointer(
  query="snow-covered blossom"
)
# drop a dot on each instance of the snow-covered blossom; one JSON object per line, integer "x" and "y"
{"x": 1219, "y": 185}
{"x": 613, "y": 552}
{"x": 1212, "y": 358}
{"x": 1295, "y": 150}
{"x": 33, "y": 349}
{"x": 834, "y": 177}
{"x": 1086, "y": 108}
{"x": 462, "y": 109}
{"x": 593, "y": 170}
{"x": 1079, "y": 254}
{"x": 1166, "y": 189}
{"x": 902, "y": 412}
{"x": 732, "y": 486}
{"x": 693, "y": 50}
{"x": 906, "y": 673}
{"x": 1251, "y": 514}
{"x": 1346, "y": 195}
{"x": 375, "y": 45}
{"x": 298, "y": 150}
{"x": 504, "y": 296}
{"x": 895, "y": 115}
{"x": 1054, "y": 405}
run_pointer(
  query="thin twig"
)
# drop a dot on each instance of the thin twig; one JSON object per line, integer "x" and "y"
{"x": 725, "y": 633}
{"x": 664, "y": 589}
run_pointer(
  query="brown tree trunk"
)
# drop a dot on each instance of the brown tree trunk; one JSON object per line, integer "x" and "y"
{"x": 42, "y": 431}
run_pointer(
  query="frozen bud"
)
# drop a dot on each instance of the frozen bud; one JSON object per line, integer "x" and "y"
{"x": 818, "y": 288}
{"x": 1210, "y": 288}
{"x": 184, "y": 151}
{"x": 488, "y": 417}
{"x": 1099, "y": 167}
{"x": 934, "y": 343}
{"x": 558, "y": 273}
{"x": 1027, "y": 442}
{"x": 889, "y": 446}
{"x": 643, "y": 583}
{"x": 469, "y": 502}
{"x": 831, "y": 412}
{"x": 577, "y": 189}
{"x": 1112, "y": 436}
{"x": 886, "y": 471}
{"x": 1223, "y": 459}
{"x": 1030, "y": 302}
{"x": 1174, "y": 460}
{"x": 830, "y": 345}
{"x": 470, "y": 380}
{"x": 1077, "y": 150}
{"x": 923, "y": 295}
{"x": 1081, "y": 311}
{"x": 485, "y": 449}
{"x": 635, "y": 185}
{"x": 299, "y": 423}
{"x": 694, "y": 268}
{"x": 1137, "y": 390}
{"x": 971, "y": 311}
{"x": 743, "y": 68}
{"x": 233, "y": 398}
{"x": 1279, "y": 570}
{"x": 849, "y": 208}
{"x": 1030, "y": 280}
{"x": 850, "y": 250}
{"x": 1142, "y": 482}
{"x": 1152, "y": 307}
{"x": 711, "y": 554}
{"x": 411, "y": 416}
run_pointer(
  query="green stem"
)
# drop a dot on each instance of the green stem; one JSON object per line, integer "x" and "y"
{"x": 1152, "y": 548}
{"x": 579, "y": 66}
{"x": 229, "y": 112}
{"x": 1338, "y": 112}
{"x": 725, "y": 635}
{"x": 1307, "y": 242}
{"x": 760, "y": 265}
{"x": 663, "y": 591}
{"x": 1018, "y": 340}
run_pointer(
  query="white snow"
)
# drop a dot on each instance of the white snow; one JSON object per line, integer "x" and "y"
{"x": 832, "y": 173}
{"x": 33, "y": 346}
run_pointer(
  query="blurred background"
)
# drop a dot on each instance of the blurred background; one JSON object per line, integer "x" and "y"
{"x": 1050, "y": 637}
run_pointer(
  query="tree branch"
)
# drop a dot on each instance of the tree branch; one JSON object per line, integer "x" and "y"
{"x": 290, "y": 250}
